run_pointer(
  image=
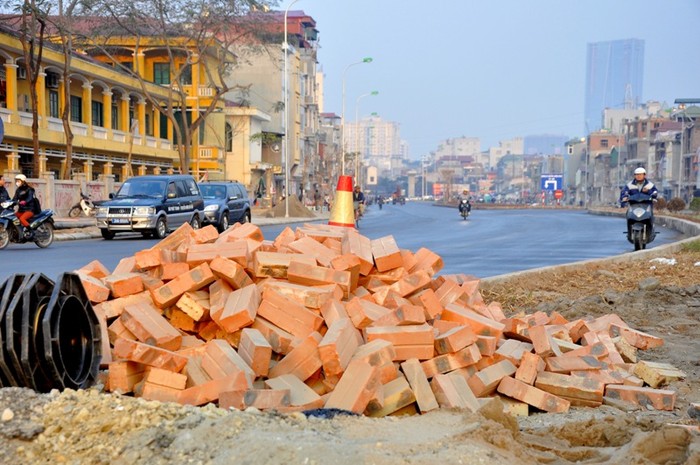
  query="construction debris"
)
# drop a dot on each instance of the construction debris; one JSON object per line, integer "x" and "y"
{"x": 323, "y": 317}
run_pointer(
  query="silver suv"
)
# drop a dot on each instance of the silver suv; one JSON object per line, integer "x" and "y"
{"x": 152, "y": 205}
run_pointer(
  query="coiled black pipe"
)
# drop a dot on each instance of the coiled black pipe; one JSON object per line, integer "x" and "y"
{"x": 49, "y": 333}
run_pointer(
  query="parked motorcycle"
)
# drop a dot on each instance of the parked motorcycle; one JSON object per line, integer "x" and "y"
{"x": 85, "y": 206}
{"x": 11, "y": 230}
{"x": 640, "y": 220}
{"x": 464, "y": 208}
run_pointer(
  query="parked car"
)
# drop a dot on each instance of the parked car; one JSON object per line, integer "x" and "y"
{"x": 152, "y": 205}
{"x": 225, "y": 203}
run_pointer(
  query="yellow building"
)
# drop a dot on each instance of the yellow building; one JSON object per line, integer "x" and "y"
{"x": 110, "y": 117}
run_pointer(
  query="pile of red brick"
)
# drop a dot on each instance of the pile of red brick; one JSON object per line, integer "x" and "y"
{"x": 325, "y": 317}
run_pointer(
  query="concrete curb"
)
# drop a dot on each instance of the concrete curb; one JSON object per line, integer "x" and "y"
{"x": 86, "y": 229}
{"x": 686, "y": 227}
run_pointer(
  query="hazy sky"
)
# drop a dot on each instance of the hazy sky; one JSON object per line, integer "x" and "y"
{"x": 492, "y": 69}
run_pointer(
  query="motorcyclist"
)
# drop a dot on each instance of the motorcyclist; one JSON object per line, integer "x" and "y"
{"x": 358, "y": 200}
{"x": 380, "y": 201}
{"x": 24, "y": 196}
{"x": 465, "y": 196}
{"x": 640, "y": 183}
{"x": 4, "y": 195}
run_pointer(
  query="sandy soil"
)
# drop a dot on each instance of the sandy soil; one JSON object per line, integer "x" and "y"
{"x": 90, "y": 427}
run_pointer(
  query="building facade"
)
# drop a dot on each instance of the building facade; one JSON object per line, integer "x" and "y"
{"x": 614, "y": 79}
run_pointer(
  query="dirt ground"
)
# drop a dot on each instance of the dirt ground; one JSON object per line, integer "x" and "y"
{"x": 661, "y": 297}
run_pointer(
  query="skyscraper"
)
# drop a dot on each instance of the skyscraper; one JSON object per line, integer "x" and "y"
{"x": 614, "y": 78}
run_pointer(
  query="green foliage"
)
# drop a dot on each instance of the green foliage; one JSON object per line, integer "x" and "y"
{"x": 692, "y": 246}
{"x": 695, "y": 204}
{"x": 675, "y": 205}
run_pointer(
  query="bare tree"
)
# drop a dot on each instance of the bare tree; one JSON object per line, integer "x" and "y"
{"x": 193, "y": 33}
{"x": 62, "y": 26}
{"x": 31, "y": 23}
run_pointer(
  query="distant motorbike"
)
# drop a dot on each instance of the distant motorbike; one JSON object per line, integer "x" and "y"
{"x": 85, "y": 206}
{"x": 640, "y": 220}
{"x": 40, "y": 228}
{"x": 380, "y": 202}
{"x": 465, "y": 207}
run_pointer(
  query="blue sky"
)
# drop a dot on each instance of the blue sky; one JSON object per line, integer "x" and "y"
{"x": 492, "y": 69}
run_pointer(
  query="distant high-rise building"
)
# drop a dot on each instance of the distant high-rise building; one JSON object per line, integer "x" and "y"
{"x": 614, "y": 78}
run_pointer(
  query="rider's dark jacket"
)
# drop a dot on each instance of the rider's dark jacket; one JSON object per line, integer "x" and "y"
{"x": 633, "y": 187}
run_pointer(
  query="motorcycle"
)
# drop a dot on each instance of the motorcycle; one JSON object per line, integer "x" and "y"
{"x": 85, "y": 205}
{"x": 40, "y": 227}
{"x": 464, "y": 208}
{"x": 640, "y": 220}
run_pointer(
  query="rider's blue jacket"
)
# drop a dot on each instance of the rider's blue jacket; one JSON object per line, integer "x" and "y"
{"x": 634, "y": 187}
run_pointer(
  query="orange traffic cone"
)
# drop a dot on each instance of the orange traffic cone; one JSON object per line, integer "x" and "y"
{"x": 342, "y": 211}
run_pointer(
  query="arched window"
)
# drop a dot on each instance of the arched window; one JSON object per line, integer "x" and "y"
{"x": 229, "y": 138}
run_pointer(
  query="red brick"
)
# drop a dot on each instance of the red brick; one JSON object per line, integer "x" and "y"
{"x": 288, "y": 315}
{"x": 542, "y": 342}
{"x": 429, "y": 301}
{"x": 125, "y": 284}
{"x": 165, "y": 378}
{"x": 125, "y": 265}
{"x": 240, "y": 231}
{"x": 123, "y": 375}
{"x": 281, "y": 341}
{"x": 320, "y": 252}
{"x": 425, "y": 398}
{"x": 205, "y": 235}
{"x": 211, "y": 390}
{"x": 358, "y": 385}
{"x": 349, "y": 263}
{"x": 149, "y": 258}
{"x": 149, "y": 326}
{"x": 363, "y": 312}
{"x": 95, "y": 269}
{"x": 193, "y": 280}
{"x": 402, "y": 335}
{"x": 311, "y": 297}
{"x": 255, "y": 351}
{"x": 312, "y": 275}
{"x": 239, "y": 310}
{"x": 361, "y": 247}
{"x": 480, "y": 325}
{"x": 533, "y": 396}
{"x": 263, "y": 399}
{"x": 572, "y": 388}
{"x": 660, "y": 399}
{"x": 427, "y": 260}
{"x": 486, "y": 381}
{"x": 195, "y": 304}
{"x": 338, "y": 346}
{"x": 332, "y": 311}
{"x": 419, "y": 351}
{"x": 148, "y": 355}
{"x": 453, "y": 392}
{"x": 230, "y": 271}
{"x": 302, "y": 361}
{"x": 397, "y": 395}
{"x": 567, "y": 364}
{"x": 95, "y": 289}
{"x": 300, "y": 395}
{"x": 376, "y": 353}
{"x": 530, "y": 366}
{"x": 448, "y": 362}
{"x": 637, "y": 339}
{"x": 169, "y": 271}
{"x": 197, "y": 254}
{"x": 182, "y": 235}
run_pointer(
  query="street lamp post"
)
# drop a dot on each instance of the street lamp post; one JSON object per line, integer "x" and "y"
{"x": 285, "y": 151}
{"x": 342, "y": 116}
{"x": 357, "y": 133}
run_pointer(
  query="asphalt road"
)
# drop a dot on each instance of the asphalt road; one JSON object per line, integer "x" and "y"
{"x": 488, "y": 243}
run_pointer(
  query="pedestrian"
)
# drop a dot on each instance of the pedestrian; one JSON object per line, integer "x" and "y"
{"x": 327, "y": 202}
{"x": 24, "y": 195}
{"x": 317, "y": 200}
{"x": 4, "y": 195}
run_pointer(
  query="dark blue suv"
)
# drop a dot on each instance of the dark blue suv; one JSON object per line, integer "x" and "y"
{"x": 225, "y": 203}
